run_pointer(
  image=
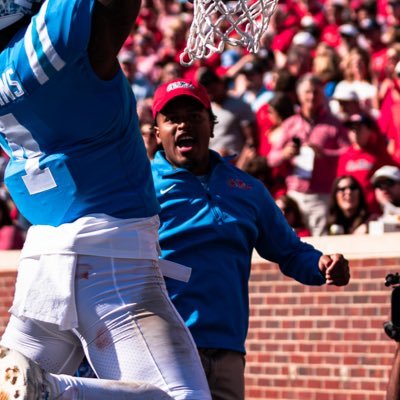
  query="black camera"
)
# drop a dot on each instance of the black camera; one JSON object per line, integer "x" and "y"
{"x": 392, "y": 328}
{"x": 296, "y": 140}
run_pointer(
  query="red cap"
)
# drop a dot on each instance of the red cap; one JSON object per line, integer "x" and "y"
{"x": 179, "y": 87}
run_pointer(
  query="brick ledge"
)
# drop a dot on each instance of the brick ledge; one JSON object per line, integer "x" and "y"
{"x": 353, "y": 247}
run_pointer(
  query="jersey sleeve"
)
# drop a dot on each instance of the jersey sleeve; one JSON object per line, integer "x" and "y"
{"x": 60, "y": 32}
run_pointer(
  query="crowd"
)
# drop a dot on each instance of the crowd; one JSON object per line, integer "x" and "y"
{"x": 318, "y": 102}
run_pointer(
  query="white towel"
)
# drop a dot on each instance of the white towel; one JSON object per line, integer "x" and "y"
{"x": 45, "y": 290}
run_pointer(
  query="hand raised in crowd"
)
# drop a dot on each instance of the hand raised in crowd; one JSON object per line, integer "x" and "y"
{"x": 291, "y": 149}
{"x": 335, "y": 268}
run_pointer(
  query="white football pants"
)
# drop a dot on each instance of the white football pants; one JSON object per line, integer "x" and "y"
{"x": 128, "y": 330}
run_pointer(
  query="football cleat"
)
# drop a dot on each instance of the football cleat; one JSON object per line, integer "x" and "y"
{"x": 21, "y": 378}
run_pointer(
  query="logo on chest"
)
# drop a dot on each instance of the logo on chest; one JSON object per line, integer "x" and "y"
{"x": 239, "y": 184}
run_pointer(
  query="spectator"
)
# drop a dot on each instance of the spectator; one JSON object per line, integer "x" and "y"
{"x": 146, "y": 124}
{"x": 258, "y": 168}
{"x": 149, "y": 138}
{"x": 305, "y": 40}
{"x": 356, "y": 72}
{"x": 299, "y": 61}
{"x": 284, "y": 25}
{"x": 388, "y": 75}
{"x": 386, "y": 181}
{"x": 345, "y": 103}
{"x": 310, "y": 8}
{"x": 326, "y": 66}
{"x": 309, "y": 24}
{"x": 366, "y": 154}
{"x": 293, "y": 215}
{"x": 11, "y": 237}
{"x": 170, "y": 70}
{"x": 236, "y": 127}
{"x": 255, "y": 92}
{"x": 336, "y": 13}
{"x": 213, "y": 216}
{"x": 147, "y": 21}
{"x": 285, "y": 82}
{"x": 322, "y": 138}
{"x": 173, "y": 41}
{"x": 144, "y": 46}
{"x": 389, "y": 120}
{"x": 141, "y": 86}
{"x": 349, "y": 39}
{"x": 372, "y": 33}
{"x": 348, "y": 212}
{"x": 393, "y": 13}
{"x": 280, "y": 108}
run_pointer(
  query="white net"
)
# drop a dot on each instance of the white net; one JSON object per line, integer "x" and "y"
{"x": 217, "y": 23}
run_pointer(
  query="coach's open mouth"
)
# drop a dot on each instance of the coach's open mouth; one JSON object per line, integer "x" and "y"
{"x": 185, "y": 143}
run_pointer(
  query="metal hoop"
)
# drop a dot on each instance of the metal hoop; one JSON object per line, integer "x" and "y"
{"x": 216, "y": 23}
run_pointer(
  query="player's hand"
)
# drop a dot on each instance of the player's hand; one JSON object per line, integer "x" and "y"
{"x": 335, "y": 268}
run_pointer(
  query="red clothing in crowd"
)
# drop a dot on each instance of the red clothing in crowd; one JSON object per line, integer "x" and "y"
{"x": 378, "y": 62}
{"x": 10, "y": 238}
{"x": 303, "y": 232}
{"x": 361, "y": 164}
{"x": 314, "y": 9}
{"x": 282, "y": 40}
{"x": 331, "y": 36}
{"x": 264, "y": 125}
{"x": 389, "y": 120}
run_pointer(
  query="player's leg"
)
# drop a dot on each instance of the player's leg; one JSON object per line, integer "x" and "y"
{"x": 24, "y": 379}
{"x": 59, "y": 352}
{"x": 133, "y": 334}
{"x": 130, "y": 329}
{"x": 33, "y": 343}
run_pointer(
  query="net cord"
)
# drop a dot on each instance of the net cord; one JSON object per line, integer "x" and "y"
{"x": 217, "y": 23}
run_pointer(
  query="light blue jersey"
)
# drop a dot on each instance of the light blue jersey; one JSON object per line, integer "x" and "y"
{"x": 74, "y": 142}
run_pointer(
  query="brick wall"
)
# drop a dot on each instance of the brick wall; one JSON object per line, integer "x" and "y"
{"x": 319, "y": 343}
{"x": 308, "y": 343}
{"x": 7, "y": 280}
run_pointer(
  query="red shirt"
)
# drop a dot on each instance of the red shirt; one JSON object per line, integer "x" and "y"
{"x": 10, "y": 238}
{"x": 361, "y": 164}
{"x": 331, "y": 35}
{"x": 389, "y": 121}
{"x": 378, "y": 62}
{"x": 282, "y": 40}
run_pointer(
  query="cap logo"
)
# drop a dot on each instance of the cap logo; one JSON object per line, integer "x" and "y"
{"x": 179, "y": 85}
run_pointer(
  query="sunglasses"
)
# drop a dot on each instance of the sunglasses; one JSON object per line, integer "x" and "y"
{"x": 344, "y": 188}
{"x": 387, "y": 183}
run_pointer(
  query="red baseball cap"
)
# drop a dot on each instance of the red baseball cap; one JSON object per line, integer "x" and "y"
{"x": 179, "y": 87}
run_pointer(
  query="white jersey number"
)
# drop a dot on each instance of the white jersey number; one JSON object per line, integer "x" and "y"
{"x": 24, "y": 148}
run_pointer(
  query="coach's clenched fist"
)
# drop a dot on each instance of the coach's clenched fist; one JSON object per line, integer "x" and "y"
{"x": 335, "y": 268}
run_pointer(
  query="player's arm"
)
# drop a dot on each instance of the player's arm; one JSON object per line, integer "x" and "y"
{"x": 111, "y": 23}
